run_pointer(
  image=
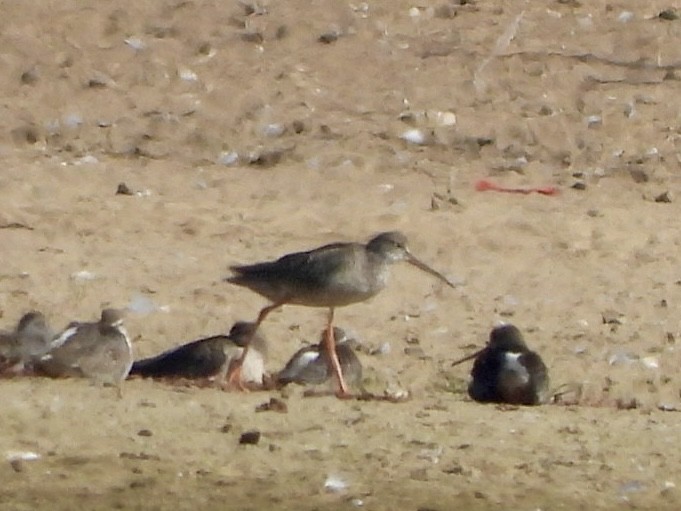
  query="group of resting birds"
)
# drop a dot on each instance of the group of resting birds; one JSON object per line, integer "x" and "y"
{"x": 101, "y": 351}
{"x": 330, "y": 276}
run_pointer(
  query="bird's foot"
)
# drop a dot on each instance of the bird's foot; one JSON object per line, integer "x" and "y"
{"x": 233, "y": 380}
{"x": 344, "y": 394}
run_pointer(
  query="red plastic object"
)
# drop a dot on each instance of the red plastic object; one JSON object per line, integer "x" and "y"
{"x": 484, "y": 185}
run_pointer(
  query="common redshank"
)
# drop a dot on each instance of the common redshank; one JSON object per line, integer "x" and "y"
{"x": 507, "y": 371}
{"x": 209, "y": 357}
{"x": 311, "y": 365}
{"x": 100, "y": 351}
{"x": 30, "y": 339}
{"x": 330, "y": 276}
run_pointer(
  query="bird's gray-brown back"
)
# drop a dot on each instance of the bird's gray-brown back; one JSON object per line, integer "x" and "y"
{"x": 100, "y": 351}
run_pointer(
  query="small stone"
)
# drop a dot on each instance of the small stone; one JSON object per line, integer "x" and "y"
{"x": 579, "y": 185}
{"x": 627, "y": 403}
{"x": 612, "y": 317}
{"x": 281, "y": 32}
{"x": 228, "y": 158}
{"x": 144, "y": 432}
{"x": 639, "y": 175}
{"x": 29, "y": 77}
{"x": 594, "y": 120}
{"x": 298, "y": 127}
{"x": 670, "y": 14}
{"x": 249, "y": 438}
{"x": 665, "y": 197}
{"x": 265, "y": 157}
{"x": 416, "y": 137}
{"x": 273, "y": 405}
{"x": 124, "y": 189}
{"x": 226, "y": 428}
{"x": 17, "y": 465}
{"x": 328, "y": 37}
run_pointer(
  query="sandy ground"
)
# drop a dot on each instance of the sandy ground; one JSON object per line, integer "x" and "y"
{"x": 244, "y": 136}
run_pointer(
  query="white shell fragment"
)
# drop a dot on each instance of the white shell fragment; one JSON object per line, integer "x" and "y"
{"x": 335, "y": 484}
{"x": 83, "y": 275}
{"x": 414, "y": 136}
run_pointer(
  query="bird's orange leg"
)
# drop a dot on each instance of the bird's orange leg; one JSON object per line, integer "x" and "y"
{"x": 342, "y": 391}
{"x": 233, "y": 376}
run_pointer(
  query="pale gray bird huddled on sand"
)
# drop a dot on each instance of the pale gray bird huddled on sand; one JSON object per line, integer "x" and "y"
{"x": 29, "y": 340}
{"x": 210, "y": 357}
{"x": 100, "y": 351}
{"x": 311, "y": 365}
{"x": 507, "y": 371}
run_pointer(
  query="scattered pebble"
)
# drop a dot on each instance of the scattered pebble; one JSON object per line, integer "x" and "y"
{"x": 612, "y": 317}
{"x": 124, "y": 189}
{"x": 594, "y": 120}
{"x": 383, "y": 349}
{"x": 29, "y": 77}
{"x": 670, "y": 14}
{"x": 329, "y": 37}
{"x": 639, "y": 175}
{"x": 273, "y": 130}
{"x": 188, "y": 75}
{"x": 83, "y": 275}
{"x": 250, "y": 438}
{"x": 145, "y": 432}
{"x": 415, "y": 136}
{"x": 135, "y": 43}
{"x": 273, "y": 405}
{"x": 664, "y": 197}
{"x": 335, "y": 484}
{"x": 625, "y": 16}
{"x": 17, "y": 459}
{"x": 228, "y": 158}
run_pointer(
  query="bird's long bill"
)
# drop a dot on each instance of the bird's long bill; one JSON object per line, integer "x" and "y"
{"x": 466, "y": 358}
{"x": 423, "y": 266}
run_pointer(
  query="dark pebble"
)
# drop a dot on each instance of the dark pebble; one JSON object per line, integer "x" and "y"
{"x": 249, "y": 438}
{"x": 123, "y": 189}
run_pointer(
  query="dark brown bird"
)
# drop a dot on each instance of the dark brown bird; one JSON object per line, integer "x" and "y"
{"x": 330, "y": 276}
{"x": 209, "y": 357}
{"x": 507, "y": 371}
{"x": 311, "y": 365}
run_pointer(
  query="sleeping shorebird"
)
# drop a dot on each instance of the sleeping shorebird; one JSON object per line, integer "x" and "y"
{"x": 507, "y": 371}
{"x": 99, "y": 351}
{"x": 330, "y": 276}
{"x": 311, "y": 365}
{"x": 30, "y": 339}
{"x": 209, "y": 357}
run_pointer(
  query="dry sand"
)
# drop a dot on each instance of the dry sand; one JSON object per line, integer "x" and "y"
{"x": 163, "y": 96}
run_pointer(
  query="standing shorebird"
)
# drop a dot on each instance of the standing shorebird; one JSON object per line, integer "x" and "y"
{"x": 30, "y": 339}
{"x": 210, "y": 357}
{"x": 507, "y": 371}
{"x": 331, "y": 276}
{"x": 310, "y": 365}
{"x": 99, "y": 351}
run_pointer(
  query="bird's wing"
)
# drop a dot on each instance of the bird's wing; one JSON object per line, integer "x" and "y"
{"x": 194, "y": 357}
{"x": 307, "y": 266}
{"x": 67, "y": 350}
